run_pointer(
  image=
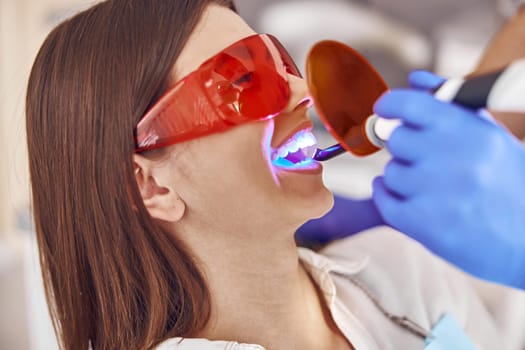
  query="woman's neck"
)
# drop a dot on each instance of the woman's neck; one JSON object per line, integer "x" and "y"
{"x": 261, "y": 293}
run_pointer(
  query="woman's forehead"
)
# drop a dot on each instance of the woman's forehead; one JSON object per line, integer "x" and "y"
{"x": 218, "y": 28}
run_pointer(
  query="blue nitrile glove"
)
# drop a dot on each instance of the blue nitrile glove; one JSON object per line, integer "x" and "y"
{"x": 424, "y": 80}
{"x": 455, "y": 183}
{"x": 348, "y": 216}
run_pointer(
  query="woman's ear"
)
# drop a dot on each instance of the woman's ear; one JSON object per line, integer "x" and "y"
{"x": 158, "y": 194}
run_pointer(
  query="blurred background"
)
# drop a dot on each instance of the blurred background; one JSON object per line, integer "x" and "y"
{"x": 397, "y": 36}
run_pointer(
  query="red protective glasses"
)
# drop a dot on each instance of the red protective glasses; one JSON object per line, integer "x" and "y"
{"x": 245, "y": 82}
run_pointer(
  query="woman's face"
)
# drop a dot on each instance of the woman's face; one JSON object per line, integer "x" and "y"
{"x": 229, "y": 176}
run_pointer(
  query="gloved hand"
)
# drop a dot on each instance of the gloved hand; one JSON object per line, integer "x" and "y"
{"x": 348, "y": 216}
{"x": 455, "y": 183}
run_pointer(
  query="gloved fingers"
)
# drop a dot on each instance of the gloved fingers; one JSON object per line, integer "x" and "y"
{"x": 394, "y": 178}
{"x": 456, "y": 120}
{"x": 408, "y": 216}
{"x": 425, "y": 80}
{"x": 415, "y": 108}
{"x": 408, "y": 144}
{"x": 407, "y": 181}
{"x": 348, "y": 216}
{"x": 387, "y": 203}
{"x": 354, "y": 215}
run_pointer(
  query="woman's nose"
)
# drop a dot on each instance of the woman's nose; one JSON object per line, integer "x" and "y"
{"x": 299, "y": 94}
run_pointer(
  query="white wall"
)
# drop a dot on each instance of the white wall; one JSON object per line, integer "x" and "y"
{"x": 24, "y": 323}
{"x": 23, "y": 26}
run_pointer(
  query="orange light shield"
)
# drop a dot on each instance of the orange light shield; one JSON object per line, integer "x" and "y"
{"x": 344, "y": 87}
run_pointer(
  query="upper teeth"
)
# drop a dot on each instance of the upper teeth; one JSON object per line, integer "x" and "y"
{"x": 303, "y": 140}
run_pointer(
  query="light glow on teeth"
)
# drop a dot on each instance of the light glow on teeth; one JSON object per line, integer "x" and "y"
{"x": 305, "y": 142}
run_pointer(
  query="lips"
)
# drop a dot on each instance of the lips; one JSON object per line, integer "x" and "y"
{"x": 294, "y": 145}
{"x": 297, "y": 150}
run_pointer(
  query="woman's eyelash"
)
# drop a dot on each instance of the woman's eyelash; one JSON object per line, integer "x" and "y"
{"x": 244, "y": 78}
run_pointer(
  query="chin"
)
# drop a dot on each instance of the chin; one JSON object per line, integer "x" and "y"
{"x": 315, "y": 205}
{"x": 324, "y": 204}
{"x": 304, "y": 195}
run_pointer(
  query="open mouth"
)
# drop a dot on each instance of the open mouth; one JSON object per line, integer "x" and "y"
{"x": 296, "y": 152}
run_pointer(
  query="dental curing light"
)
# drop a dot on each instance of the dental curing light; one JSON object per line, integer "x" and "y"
{"x": 345, "y": 86}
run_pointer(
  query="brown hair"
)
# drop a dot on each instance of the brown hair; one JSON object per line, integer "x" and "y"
{"x": 113, "y": 278}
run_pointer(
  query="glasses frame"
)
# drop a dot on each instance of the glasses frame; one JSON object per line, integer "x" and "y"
{"x": 193, "y": 106}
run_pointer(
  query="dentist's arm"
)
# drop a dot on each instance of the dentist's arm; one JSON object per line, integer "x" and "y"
{"x": 507, "y": 45}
